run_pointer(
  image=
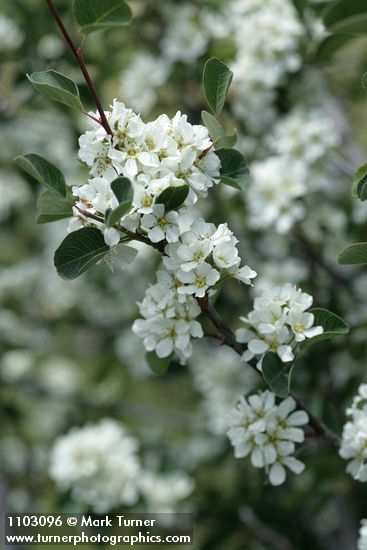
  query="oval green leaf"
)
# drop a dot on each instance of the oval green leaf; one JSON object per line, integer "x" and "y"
{"x": 79, "y": 251}
{"x": 359, "y": 187}
{"x": 234, "y": 170}
{"x": 217, "y": 133}
{"x": 216, "y": 81}
{"x": 123, "y": 191}
{"x": 354, "y": 254}
{"x": 332, "y": 324}
{"x": 96, "y": 15}
{"x": 52, "y": 208}
{"x": 276, "y": 374}
{"x": 173, "y": 197}
{"x": 157, "y": 364}
{"x": 44, "y": 172}
{"x": 57, "y": 87}
{"x": 343, "y": 10}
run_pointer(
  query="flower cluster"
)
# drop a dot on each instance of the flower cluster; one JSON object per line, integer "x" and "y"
{"x": 354, "y": 438}
{"x": 261, "y": 65}
{"x": 192, "y": 265}
{"x": 362, "y": 541}
{"x": 136, "y": 89}
{"x": 154, "y": 156}
{"x": 304, "y": 134}
{"x": 278, "y": 322}
{"x": 99, "y": 464}
{"x": 296, "y": 146}
{"x": 184, "y": 40}
{"x": 163, "y": 491}
{"x": 273, "y": 197}
{"x": 11, "y": 36}
{"x": 268, "y": 433}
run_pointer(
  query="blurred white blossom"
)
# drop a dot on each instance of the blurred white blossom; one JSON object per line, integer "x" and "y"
{"x": 99, "y": 464}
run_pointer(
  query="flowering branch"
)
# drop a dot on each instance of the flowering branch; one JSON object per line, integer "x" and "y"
{"x": 229, "y": 339}
{"x": 78, "y": 54}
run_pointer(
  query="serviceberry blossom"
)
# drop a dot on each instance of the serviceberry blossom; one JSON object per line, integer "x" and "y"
{"x": 168, "y": 324}
{"x": 139, "y": 91}
{"x": 164, "y": 492}
{"x": 154, "y": 156}
{"x": 273, "y": 197}
{"x": 354, "y": 438}
{"x": 11, "y": 37}
{"x": 268, "y": 433}
{"x": 278, "y": 323}
{"x": 261, "y": 65}
{"x": 184, "y": 40}
{"x": 192, "y": 266}
{"x": 99, "y": 464}
{"x": 304, "y": 134}
{"x": 362, "y": 541}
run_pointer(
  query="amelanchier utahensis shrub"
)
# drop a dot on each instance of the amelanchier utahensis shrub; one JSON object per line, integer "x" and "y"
{"x": 147, "y": 182}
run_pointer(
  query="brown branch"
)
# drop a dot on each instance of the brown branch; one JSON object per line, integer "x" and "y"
{"x": 77, "y": 53}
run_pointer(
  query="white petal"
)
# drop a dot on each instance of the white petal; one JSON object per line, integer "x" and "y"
{"x": 164, "y": 348}
{"x": 296, "y": 466}
{"x": 298, "y": 418}
{"x": 277, "y": 474}
{"x": 111, "y": 236}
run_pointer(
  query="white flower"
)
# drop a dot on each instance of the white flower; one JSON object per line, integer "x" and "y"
{"x": 11, "y": 36}
{"x": 111, "y": 236}
{"x": 137, "y": 90}
{"x": 164, "y": 492}
{"x": 184, "y": 40}
{"x": 244, "y": 274}
{"x": 268, "y": 433}
{"x": 354, "y": 438}
{"x": 308, "y": 135}
{"x": 198, "y": 280}
{"x": 277, "y": 184}
{"x": 161, "y": 225}
{"x": 362, "y": 541}
{"x": 301, "y": 324}
{"x": 277, "y": 323}
{"x": 99, "y": 464}
{"x": 193, "y": 254}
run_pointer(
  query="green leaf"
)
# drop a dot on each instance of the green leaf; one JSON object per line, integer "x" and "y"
{"x": 157, "y": 364}
{"x": 276, "y": 374}
{"x": 173, "y": 197}
{"x": 217, "y": 133}
{"x": 353, "y": 26}
{"x": 52, "y": 208}
{"x": 57, "y": 87}
{"x": 364, "y": 81}
{"x": 330, "y": 45}
{"x": 359, "y": 187}
{"x": 331, "y": 323}
{"x": 354, "y": 254}
{"x": 44, "y": 172}
{"x": 215, "y": 129}
{"x": 234, "y": 170}
{"x": 227, "y": 142}
{"x": 340, "y": 14}
{"x": 124, "y": 193}
{"x": 79, "y": 251}
{"x": 96, "y": 15}
{"x": 216, "y": 80}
